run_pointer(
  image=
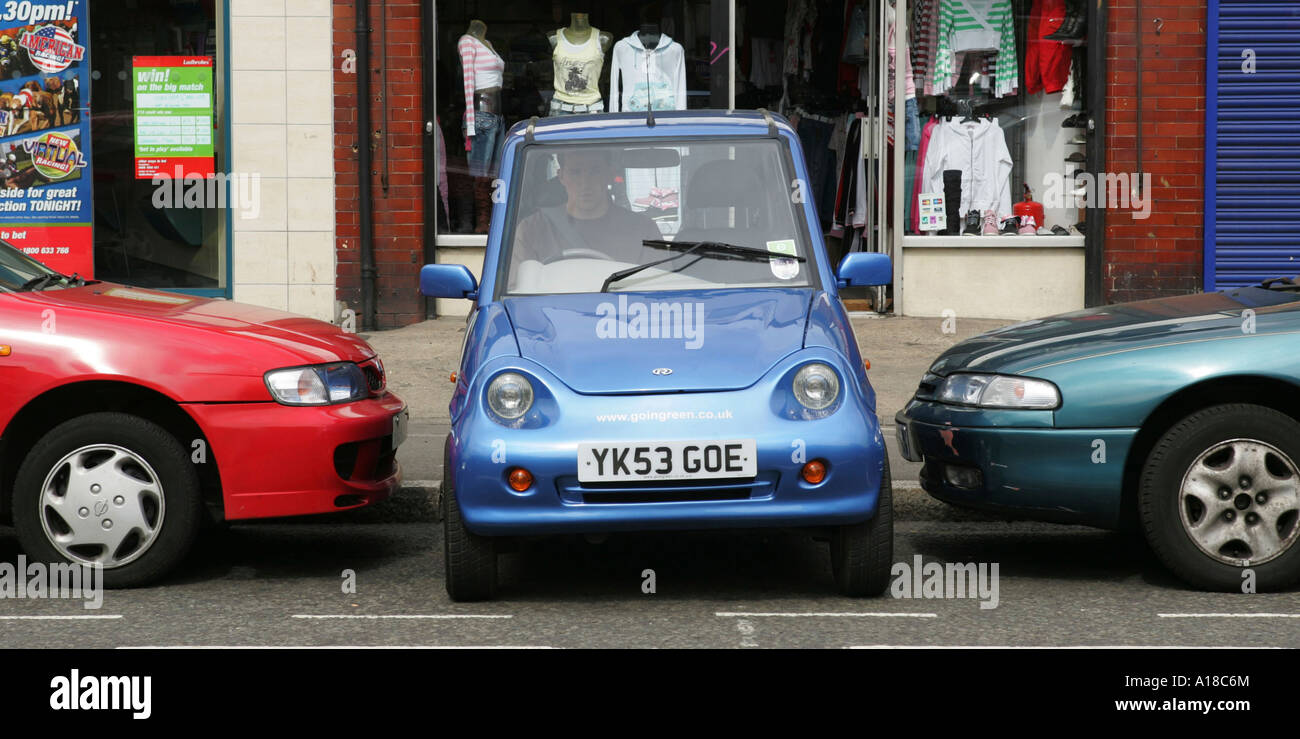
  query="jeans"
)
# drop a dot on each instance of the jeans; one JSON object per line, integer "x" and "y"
{"x": 816, "y": 138}
{"x": 485, "y": 144}
{"x": 912, "y": 121}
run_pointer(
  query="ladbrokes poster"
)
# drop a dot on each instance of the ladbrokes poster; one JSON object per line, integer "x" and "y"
{"x": 45, "y": 174}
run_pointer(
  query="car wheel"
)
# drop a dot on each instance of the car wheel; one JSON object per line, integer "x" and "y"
{"x": 1220, "y": 495}
{"x": 471, "y": 560}
{"x": 109, "y": 489}
{"x": 862, "y": 554}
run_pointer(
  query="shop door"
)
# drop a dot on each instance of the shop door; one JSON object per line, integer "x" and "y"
{"x": 1252, "y": 225}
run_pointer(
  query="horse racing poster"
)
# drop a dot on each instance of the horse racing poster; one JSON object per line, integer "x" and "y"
{"x": 46, "y": 209}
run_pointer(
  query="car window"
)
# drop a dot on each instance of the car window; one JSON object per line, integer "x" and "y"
{"x": 584, "y": 210}
{"x": 16, "y": 268}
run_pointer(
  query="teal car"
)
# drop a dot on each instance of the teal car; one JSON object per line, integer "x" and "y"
{"x": 1180, "y": 416}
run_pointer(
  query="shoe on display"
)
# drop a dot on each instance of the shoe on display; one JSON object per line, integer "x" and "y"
{"x": 1044, "y": 231}
{"x": 1075, "y": 230}
{"x": 1077, "y": 156}
{"x": 1028, "y": 226}
{"x": 1081, "y": 192}
{"x": 1011, "y": 226}
{"x": 1075, "y": 25}
{"x": 1079, "y": 140}
{"x": 1078, "y": 120}
{"x": 990, "y": 223}
{"x": 1058, "y": 231}
{"x": 973, "y": 223}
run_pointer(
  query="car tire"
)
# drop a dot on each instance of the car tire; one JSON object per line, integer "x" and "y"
{"x": 862, "y": 554}
{"x": 470, "y": 560}
{"x": 1187, "y": 505}
{"x": 154, "y": 496}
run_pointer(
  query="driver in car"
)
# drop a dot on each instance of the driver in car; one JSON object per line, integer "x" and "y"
{"x": 589, "y": 220}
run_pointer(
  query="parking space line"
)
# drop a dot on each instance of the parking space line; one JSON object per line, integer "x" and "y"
{"x": 345, "y": 646}
{"x": 1228, "y": 615}
{"x": 1078, "y": 646}
{"x": 825, "y": 614}
{"x": 433, "y": 616}
{"x": 60, "y": 618}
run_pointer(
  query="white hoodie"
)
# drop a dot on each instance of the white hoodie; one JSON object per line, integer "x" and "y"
{"x": 660, "y": 72}
{"x": 979, "y": 150}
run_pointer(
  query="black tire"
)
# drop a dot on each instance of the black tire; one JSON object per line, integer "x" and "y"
{"x": 862, "y": 554}
{"x": 470, "y": 560}
{"x": 179, "y": 481}
{"x": 1162, "y": 479}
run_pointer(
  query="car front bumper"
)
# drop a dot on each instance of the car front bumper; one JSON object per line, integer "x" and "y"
{"x": 1015, "y": 462}
{"x": 481, "y": 453}
{"x": 277, "y": 460}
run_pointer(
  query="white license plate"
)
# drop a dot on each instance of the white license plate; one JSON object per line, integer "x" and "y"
{"x": 400, "y": 422}
{"x": 667, "y": 460}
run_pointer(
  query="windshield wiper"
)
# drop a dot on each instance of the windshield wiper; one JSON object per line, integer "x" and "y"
{"x": 39, "y": 281}
{"x": 715, "y": 249}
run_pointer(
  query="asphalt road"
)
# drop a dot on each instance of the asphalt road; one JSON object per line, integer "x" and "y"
{"x": 282, "y": 583}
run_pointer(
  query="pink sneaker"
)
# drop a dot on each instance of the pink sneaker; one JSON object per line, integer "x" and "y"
{"x": 990, "y": 223}
{"x": 1028, "y": 225}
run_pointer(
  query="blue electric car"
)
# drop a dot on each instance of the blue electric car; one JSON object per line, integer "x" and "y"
{"x": 658, "y": 343}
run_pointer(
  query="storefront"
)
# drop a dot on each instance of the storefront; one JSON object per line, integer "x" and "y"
{"x": 156, "y": 143}
{"x": 981, "y": 195}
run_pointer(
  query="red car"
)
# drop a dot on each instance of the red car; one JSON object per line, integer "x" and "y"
{"x": 127, "y": 415}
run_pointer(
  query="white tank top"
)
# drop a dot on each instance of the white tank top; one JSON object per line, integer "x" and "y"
{"x": 577, "y": 69}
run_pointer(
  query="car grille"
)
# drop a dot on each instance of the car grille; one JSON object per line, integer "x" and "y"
{"x": 760, "y": 487}
{"x": 374, "y": 375}
{"x": 929, "y": 387}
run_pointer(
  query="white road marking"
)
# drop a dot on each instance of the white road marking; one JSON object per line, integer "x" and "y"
{"x": 1082, "y": 646}
{"x": 437, "y": 616}
{"x": 59, "y": 618}
{"x": 342, "y": 646}
{"x": 739, "y": 614}
{"x": 1228, "y": 615}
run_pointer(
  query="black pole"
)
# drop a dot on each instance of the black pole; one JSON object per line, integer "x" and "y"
{"x": 366, "y": 205}
{"x": 1094, "y": 253}
{"x": 428, "y": 22}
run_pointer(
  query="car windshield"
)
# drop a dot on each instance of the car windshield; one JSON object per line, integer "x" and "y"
{"x": 585, "y": 212}
{"x": 18, "y": 270}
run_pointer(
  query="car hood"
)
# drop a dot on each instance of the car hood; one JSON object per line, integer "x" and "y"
{"x": 310, "y": 339}
{"x": 1024, "y": 347}
{"x": 613, "y": 343}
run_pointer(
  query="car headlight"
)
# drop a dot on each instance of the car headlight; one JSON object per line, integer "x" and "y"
{"x": 323, "y": 384}
{"x": 510, "y": 395}
{"x": 999, "y": 391}
{"x": 816, "y": 386}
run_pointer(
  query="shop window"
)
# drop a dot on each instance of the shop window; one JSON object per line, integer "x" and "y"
{"x": 501, "y": 63}
{"x": 136, "y": 241}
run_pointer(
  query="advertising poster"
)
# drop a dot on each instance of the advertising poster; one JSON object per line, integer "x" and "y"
{"x": 46, "y": 208}
{"x": 172, "y": 98}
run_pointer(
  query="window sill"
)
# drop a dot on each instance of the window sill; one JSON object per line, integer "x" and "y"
{"x": 1000, "y": 242}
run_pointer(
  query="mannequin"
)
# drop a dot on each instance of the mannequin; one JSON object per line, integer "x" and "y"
{"x": 578, "y": 55}
{"x": 483, "y": 70}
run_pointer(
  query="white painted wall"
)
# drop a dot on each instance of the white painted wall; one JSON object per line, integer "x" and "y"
{"x": 470, "y": 256}
{"x": 1016, "y": 283}
{"x": 283, "y": 130}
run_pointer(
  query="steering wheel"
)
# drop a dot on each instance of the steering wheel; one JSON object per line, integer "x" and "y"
{"x": 578, "y": 252}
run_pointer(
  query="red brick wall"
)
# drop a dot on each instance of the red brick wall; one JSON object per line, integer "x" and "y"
{"x": 398, "y": 214}
{"x": 1161, "y": 255}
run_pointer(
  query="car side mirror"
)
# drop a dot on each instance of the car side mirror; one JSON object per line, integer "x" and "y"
{"x": 865, "y": 269}
{"x": 448, "y": 281}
